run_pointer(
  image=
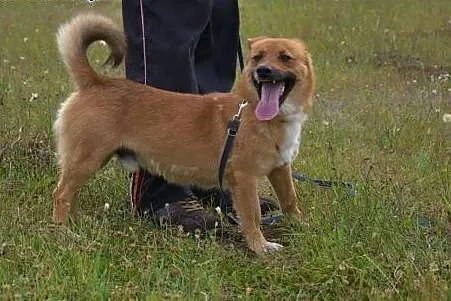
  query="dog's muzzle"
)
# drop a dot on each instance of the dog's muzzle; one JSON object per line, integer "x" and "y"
{"x": 285, "y": 81}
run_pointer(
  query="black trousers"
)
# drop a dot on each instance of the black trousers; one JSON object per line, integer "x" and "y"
{"x": 187, "y": 46}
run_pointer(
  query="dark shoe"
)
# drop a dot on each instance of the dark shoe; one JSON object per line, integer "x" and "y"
{"x": 189, "y": 214}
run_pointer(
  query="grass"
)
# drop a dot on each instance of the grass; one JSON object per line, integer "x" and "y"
{"x": 383, "y": 85}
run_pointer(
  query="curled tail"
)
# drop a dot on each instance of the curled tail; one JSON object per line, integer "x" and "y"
{"x": 74, "y": 39}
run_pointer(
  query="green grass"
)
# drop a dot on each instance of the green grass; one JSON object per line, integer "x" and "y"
{"x": 377, "y": 121}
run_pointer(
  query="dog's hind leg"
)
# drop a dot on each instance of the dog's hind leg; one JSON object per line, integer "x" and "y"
{"x": 76, "y": 167}
{"x": 282, "y": 182}
{"x": 244, "y": 191}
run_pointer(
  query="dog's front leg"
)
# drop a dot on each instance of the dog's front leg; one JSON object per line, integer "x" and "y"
{"x": 246, "y": 203}
{"x": 282, "y": 181}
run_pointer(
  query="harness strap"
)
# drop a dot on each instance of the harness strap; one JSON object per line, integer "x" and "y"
{"x": 232, "y": 130}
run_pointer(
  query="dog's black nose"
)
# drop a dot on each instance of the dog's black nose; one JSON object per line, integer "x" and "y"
{"x": 264, "y": 71}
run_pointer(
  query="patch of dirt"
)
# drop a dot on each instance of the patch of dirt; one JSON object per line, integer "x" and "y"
{"x": 35, "y": 150}
{"x": 412, "y": 66}
{"x": 442, "y": 32}
{"x": 39, "y": 150}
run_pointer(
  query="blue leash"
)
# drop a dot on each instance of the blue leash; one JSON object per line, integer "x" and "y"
{"x": 350, "y": 187}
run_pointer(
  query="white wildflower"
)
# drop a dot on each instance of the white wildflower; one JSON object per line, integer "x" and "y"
{"x": 22, "y": 58}
{"x": 25, "y": 39}
{"x": 33, "y": 97}
{"x": 433, "y": 267}
{"x": 249, "y": 291}
{"x": 444, "y": 77}
{"x": 106, "y": 207}
{"x": 446, "y": 118}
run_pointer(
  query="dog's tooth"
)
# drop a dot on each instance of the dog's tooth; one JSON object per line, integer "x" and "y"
{"x": 283, "y": 90}
{"x": 273, "y": 81}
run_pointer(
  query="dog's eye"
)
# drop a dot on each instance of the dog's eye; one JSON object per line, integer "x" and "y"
{"x": 257, "y": 57}
{"x": 285, "y": 58}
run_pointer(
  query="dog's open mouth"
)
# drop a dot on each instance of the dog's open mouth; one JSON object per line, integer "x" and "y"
{"x": 272, "y": 92}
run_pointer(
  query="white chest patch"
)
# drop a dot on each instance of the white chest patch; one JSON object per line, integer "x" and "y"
{"x": 288, "y": 148}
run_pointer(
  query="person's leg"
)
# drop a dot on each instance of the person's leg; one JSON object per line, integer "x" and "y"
{"x": 216, "y": 52}
{"x": 215, "y": 63}
{"x": 161, "y": 37}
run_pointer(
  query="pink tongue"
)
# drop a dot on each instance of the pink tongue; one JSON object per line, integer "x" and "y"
{"x": 268, "y": 106}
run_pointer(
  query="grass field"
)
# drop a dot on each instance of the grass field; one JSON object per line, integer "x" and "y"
{"x": 384, "y": 83}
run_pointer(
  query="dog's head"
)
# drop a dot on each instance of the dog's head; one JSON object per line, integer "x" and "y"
{"x": 281, "y": 73}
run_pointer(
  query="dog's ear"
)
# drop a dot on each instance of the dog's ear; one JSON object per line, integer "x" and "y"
{"x": 311, "y": 81}
{"x": 301, "y": 42}
{"x": 251, "y": 41}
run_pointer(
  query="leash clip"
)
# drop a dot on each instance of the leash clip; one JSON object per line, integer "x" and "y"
{"x": 242, "y": 105}
{"x": 234, "y": 123}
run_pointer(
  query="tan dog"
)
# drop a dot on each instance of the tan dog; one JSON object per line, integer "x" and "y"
{"x": 181, "y": 136}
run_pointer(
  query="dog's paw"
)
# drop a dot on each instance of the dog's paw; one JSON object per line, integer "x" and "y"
{"x": 60, "y": 220}
{"x": 271, "y": 247}
{"x": 263, "y": 247}
{"x": 267, "y": 248}
{"x": 295, "y": 216}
